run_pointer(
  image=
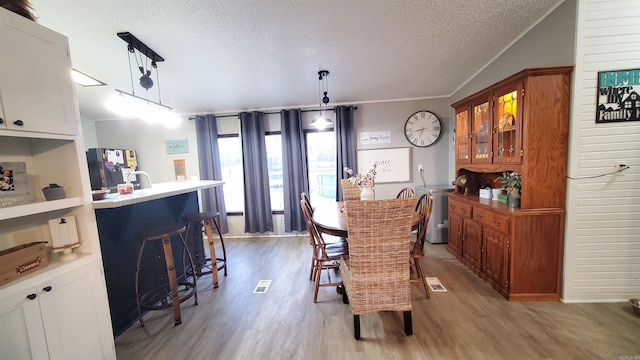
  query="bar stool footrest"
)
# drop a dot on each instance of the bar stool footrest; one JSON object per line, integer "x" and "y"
{"x": 160, "y": 297}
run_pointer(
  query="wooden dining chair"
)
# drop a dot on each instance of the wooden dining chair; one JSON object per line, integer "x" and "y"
{"x": 326, "y": 255}
{"x": 305, "y": 197}
{"x": 349, "y": 190}
{"x": 423, "y": 207}
{"x": 375, "y": 274}
{"x": 406, "y": 193}
{"x": 306, "y": 207}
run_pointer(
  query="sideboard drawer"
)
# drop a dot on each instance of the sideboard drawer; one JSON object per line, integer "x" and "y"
{"x": 460, "y": 208}
{"x": 495, "y": 221}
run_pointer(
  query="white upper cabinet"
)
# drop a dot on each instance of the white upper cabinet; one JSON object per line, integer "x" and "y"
{"x": 36, "y": 88}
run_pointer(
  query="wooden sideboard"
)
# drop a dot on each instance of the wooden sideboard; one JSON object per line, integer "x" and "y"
{"x": 518, "y": 252}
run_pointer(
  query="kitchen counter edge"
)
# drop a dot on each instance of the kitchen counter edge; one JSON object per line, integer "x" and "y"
{"x": 157, "y": 191}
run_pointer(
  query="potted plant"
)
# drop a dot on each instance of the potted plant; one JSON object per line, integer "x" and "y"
{"x": 512, "y": 183}
{"x": 53, "y": 192}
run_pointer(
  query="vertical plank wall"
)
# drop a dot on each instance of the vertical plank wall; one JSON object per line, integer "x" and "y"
{"x": 602, "y": 236}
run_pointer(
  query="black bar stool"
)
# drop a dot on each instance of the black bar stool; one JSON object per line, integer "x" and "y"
{"x": 159, "y": 297}
{"x": 206, "y": 219}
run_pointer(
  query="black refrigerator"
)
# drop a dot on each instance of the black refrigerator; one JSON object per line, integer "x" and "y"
{"x": 110, "y": 167}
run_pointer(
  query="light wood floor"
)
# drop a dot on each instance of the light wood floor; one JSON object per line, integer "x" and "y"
{"x": 470, "y": 321}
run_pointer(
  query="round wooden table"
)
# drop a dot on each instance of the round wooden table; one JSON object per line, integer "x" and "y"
{"x": 332, "y": 220}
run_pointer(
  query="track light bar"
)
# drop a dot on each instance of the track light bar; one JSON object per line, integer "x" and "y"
{"x": 143, "y": 99}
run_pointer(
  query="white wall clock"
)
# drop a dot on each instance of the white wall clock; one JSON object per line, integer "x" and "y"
{"x": 423, "y": 128}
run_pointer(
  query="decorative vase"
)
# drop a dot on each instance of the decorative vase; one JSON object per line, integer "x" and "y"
{"x": 367, "y": 193}
{"x": 513, "y": 202}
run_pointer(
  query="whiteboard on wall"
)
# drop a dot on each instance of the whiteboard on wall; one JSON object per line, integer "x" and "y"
{"x": 394, "y": 165}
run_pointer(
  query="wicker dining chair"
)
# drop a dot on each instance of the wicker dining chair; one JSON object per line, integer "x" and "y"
{"x": 375, "y": 275}
{"x": 349, "y": 190}
{"x": 326, "y": 256}
{"x": 406, "y": 193}
{"x": 423, "y": 207}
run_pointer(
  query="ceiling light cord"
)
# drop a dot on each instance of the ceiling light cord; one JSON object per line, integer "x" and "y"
{"x": 158, "y": 81}
{"x": 131, "y": 50}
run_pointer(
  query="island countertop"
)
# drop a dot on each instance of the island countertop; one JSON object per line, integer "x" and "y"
{"x": 157, "y": 191}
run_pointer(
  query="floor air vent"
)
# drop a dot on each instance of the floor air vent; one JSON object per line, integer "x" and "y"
{"x": 262, "y": 287}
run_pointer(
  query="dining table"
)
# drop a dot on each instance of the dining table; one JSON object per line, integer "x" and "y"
{"x": 331, "y": 218}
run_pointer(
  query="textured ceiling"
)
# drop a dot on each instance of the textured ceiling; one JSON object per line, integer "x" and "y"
{"x": 223, "y": 56}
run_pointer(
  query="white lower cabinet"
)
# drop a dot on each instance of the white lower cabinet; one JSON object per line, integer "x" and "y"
{"x": 65, "y": 317}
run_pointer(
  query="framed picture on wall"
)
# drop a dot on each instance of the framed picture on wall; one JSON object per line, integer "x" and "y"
{"x": 14, "y": 185}
{"x": 618, "y": 98}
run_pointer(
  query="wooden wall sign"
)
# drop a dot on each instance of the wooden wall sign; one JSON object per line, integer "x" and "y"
{"x": 618, "y": 96}
{"x": 180, "y": 170}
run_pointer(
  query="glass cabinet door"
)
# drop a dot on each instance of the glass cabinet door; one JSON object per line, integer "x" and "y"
{"x": 507, "y": 126}
{"x": 463, "y": 145}
{"x": 481, "y": 134}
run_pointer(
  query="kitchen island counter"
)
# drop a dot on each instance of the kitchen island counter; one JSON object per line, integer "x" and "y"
{"x": 121, "y": 217}
{"x": 157, "y": 191}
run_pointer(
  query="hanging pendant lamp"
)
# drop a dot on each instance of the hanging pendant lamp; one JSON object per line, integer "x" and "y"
{"x": 132, "y": 105}
{"x": 322, "y": 121}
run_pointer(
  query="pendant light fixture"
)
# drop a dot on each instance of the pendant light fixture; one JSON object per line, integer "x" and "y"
{"x": 132, "y": 105}
{"x": 322, "y": 121}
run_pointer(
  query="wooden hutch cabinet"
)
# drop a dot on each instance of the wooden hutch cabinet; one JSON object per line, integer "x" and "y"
{"x": 518, "y": 124}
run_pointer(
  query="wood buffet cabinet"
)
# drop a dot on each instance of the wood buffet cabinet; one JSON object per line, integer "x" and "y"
{"x": 518, "y": 124}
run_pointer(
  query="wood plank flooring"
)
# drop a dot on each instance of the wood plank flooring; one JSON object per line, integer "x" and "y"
{"x": 470, "y": 321}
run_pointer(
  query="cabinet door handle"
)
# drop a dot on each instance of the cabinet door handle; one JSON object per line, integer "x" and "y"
{"x": 31, "y": 296}
{"x": 479, "y": 217}
{"x": 18, "y": 122}
{"x": 496, "y": 223}
{"x": 453, "y": 207}
{"x": 47, "y": 288}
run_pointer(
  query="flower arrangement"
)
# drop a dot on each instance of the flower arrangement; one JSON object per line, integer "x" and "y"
{"x": 512, "y": 182}
{"x": 367, "y": 180}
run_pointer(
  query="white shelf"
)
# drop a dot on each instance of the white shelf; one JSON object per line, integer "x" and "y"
{"x": 39, "y": 207}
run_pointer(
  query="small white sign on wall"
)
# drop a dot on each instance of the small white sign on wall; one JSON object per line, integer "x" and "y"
{"x": 376, "y": 137}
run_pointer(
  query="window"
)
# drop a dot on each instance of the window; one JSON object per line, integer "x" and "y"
{"x": 273, "y": 142}
{"x": 321, "y": 164}
{"x": 231, "y": 165}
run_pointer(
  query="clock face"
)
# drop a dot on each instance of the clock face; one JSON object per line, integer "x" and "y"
{"x": 422, "y": 128}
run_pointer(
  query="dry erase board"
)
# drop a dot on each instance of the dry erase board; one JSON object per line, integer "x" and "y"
{"x": 394, "y": 165}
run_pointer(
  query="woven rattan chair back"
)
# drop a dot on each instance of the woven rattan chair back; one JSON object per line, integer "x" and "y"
{"x": 376, "y": 276}
{"x": 349, "y": 190}
{"x": 406, "y": 193}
